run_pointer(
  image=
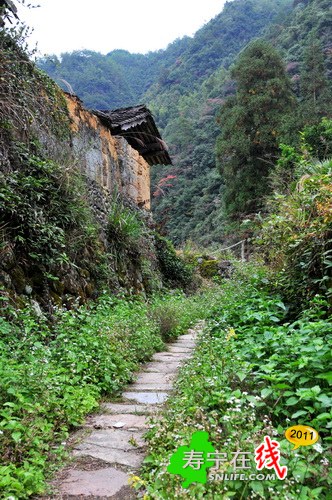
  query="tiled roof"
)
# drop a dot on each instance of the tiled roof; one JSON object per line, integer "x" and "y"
{"x": 137, "y": 126}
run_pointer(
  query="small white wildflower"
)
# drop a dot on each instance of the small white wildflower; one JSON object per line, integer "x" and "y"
{"x": 318, "y": 447}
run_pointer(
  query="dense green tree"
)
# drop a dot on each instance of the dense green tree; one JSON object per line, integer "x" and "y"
{"x": 252, "y": 125}
{"x": 316, "y": 92}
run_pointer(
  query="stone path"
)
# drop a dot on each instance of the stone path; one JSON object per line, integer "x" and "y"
{"x": 113, "y": 446}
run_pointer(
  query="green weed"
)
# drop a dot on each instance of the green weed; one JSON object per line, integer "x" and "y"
{"x": 253, "y": 374}
{"x": 52, "y": 375}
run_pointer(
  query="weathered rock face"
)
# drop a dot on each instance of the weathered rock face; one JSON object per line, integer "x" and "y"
{"x": 108, "y": 161}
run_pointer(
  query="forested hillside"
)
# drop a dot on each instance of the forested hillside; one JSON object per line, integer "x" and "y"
{"x": 199, "y": 206}
{"x": 121, "y": 78}
{"x": 118, "y": 79}
{"x": 184, "y": 87}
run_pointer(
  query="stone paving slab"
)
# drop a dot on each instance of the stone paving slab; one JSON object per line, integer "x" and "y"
{"x": 175, "y": 355}
{"x": 171, "y": 357}
{"x": 128, "y": 408}
{"x": 155, "y": 378}
{"x": 127, "y": 458}
{"x": 117, "y": 436}
{"x": 180, "y": 343}
{"x": 174, "y": 348}
{"x": 120, "y": 439}
{"x": 117, "y": 421}
{"x": 187, "y": 336}
{"x": 146, "y": 397}
{"x": 186, "y": 343}
{"x": 161, "y": 367}
{"x": 102, "y": 482}
{"x": 137, "y": 386}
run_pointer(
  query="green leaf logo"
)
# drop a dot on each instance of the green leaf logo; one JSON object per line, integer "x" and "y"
{"x": 191, "y": 461}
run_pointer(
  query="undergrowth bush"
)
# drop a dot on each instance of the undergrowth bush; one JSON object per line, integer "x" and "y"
{"x": 175, "y": 272}
{"x": 318, "y": 139}
{"x": 167, "y": 317}
{"x": 172, "y": 313}
{"x": 296, "y": 237}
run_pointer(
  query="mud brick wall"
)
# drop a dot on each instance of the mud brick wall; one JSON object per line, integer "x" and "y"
{"x": 107, "y": 160}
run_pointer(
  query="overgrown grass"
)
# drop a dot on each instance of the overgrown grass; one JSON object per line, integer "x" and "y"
{"x": 124, "y": 225}
{"x": 52, "y": 375}
{"x": 253, "y": 374}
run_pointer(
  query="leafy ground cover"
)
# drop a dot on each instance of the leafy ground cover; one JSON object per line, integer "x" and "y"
{"x": 52, "y": 375}
{"x": 254, "y": 373}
